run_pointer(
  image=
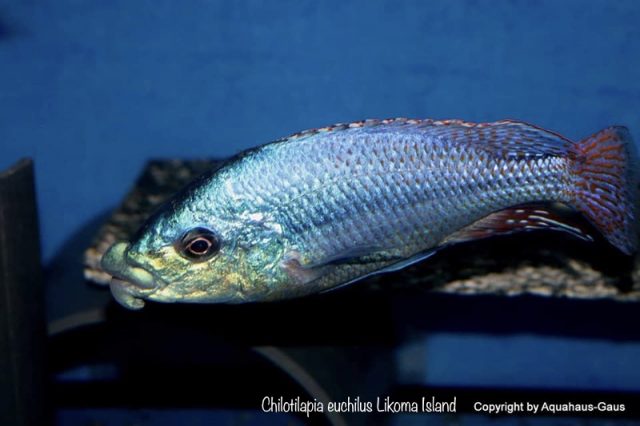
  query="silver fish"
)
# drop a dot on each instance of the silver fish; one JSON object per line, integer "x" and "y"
{"x": 330, "y": 206}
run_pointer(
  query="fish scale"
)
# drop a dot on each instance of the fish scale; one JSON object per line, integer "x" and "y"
{"x": 325, "y": 207}
{"x": 390, "y": 192}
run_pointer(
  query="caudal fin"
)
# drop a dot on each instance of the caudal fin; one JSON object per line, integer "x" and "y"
{"x": 606, "y": 185}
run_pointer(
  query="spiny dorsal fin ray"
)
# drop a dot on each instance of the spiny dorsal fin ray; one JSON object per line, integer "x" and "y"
{"x": 504, "y": 138}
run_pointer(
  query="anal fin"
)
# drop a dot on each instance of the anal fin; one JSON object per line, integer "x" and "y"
{"x": 520, "y": 218}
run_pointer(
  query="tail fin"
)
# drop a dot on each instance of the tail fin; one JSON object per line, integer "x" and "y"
{"x": 606, "y": 185}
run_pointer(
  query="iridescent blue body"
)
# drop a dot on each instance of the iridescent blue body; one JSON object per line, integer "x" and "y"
{"x": 326, "y": 207}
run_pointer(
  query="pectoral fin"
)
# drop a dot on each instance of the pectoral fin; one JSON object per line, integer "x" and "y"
{"x": 307, "y": 270}
{"x": 305, "y": 274}
{"x": 355, "y": 255}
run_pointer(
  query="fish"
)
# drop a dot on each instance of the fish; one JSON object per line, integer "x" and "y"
{"x": 327, "y": 207}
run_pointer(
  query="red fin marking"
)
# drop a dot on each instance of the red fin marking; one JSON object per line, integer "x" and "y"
{"x": 517, "y": 219}
{"x": 606, "y": 185}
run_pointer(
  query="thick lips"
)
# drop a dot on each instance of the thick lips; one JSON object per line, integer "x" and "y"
{"x": 129, "y": 283}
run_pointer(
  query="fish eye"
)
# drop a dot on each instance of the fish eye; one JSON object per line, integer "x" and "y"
{"x": 198, "y": 244}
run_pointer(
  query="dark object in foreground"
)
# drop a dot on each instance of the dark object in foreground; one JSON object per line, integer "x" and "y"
{"x": 22, "y": 319}
{"x": 542, "y": 263}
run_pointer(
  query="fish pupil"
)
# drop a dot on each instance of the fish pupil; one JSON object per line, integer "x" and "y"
{"x": 200, "y": 246}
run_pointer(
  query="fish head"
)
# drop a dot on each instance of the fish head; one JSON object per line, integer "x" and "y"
{"x": 187, "y": 253}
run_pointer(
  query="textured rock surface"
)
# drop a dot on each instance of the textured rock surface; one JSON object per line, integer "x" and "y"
{"x": 541, "y": 263}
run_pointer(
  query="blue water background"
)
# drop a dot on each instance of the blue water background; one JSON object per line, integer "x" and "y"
{"x": 92, "y": 90}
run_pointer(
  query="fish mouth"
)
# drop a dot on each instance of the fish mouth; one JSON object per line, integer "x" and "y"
{"x": 130, "y": 283}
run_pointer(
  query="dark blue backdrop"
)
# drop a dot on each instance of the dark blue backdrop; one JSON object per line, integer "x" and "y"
{"x": 92, "y": 90}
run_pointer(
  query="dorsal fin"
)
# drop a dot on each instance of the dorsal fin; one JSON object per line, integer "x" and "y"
{"x": 509, "y": 138}
{"x": 517, "y": 219}
{"x": 369, "y": 123}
